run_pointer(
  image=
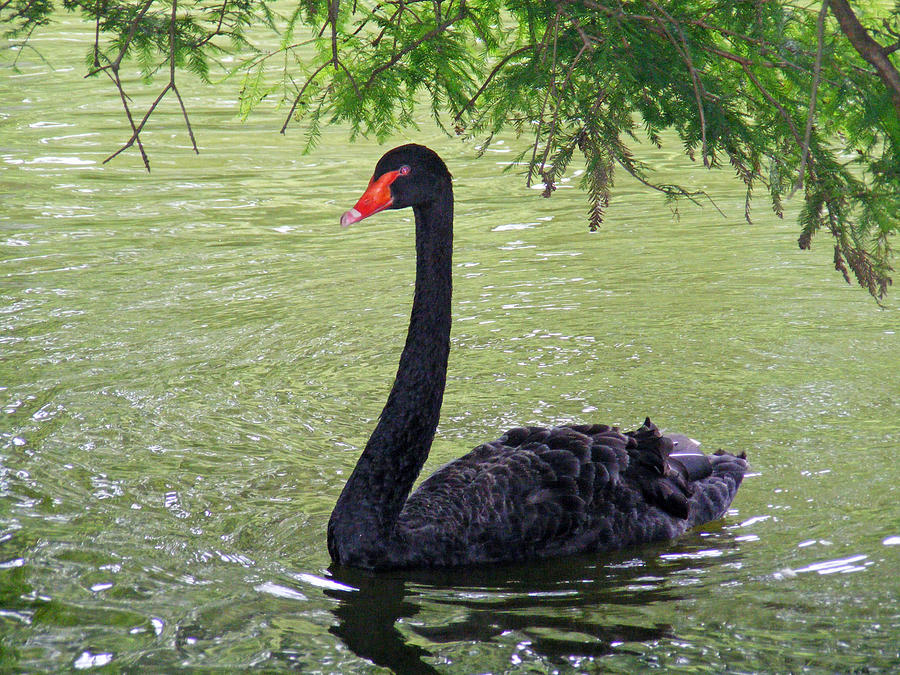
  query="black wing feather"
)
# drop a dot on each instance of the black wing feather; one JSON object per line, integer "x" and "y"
{"x": 537, "y": 492}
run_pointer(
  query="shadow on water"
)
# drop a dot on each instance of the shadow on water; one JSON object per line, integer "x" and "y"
{"x": 565, "y": 608}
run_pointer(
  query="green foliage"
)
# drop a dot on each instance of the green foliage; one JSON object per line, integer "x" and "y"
{"x": 775, "y": 90}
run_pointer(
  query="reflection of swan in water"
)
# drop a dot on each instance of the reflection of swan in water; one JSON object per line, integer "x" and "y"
{"x": 367, "y": 623}
{"x": 560, "y": 609}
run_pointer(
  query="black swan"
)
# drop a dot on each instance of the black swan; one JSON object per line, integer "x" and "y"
{"x": 532, "y": 493}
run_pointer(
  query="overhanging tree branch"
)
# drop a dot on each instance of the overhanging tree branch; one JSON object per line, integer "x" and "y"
{"x": 768, "y": 84}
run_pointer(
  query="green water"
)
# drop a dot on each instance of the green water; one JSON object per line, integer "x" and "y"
{"x": 191, "y": 361}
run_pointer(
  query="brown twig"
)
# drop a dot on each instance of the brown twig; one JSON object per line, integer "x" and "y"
{"x": 490, "y": 77}
{"x": 364, "y": 22}
{"x": 333, "y": 9}
{"x": 784, "y": 113}
{"x": 352, "y": 81}
{"x": 817, "y": 70}
{"x": 114, "y": 65}
{"x": 187, "y": 121}
{"x": 217, "y": 30}
{"x": 550, "y": 89}
{"x": 114, "y": 76}
{"x": 135, "y": 137}
{"x": 300, "y": 95}
{"x": 97, "y": 37}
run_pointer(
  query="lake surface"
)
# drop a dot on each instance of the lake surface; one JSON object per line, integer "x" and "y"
{"x": 192, "y": 359}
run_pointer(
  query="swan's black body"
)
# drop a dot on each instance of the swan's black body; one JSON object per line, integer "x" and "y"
{"x": 534, "y": 492}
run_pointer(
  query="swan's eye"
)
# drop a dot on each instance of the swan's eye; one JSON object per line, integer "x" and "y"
{"x": 404, "y": 170}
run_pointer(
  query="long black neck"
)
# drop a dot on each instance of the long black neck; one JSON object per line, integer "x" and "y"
{"x": 362, "y": 524}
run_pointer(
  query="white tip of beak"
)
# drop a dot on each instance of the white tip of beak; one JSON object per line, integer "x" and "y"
{"x": 352, "y": 216}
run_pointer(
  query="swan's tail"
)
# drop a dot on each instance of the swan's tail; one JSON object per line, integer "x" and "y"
{"x": 714, "y": 494}
{"x": 709, "y": 482}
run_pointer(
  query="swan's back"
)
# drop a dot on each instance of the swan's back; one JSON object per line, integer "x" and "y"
{"x": 537, "y": 492}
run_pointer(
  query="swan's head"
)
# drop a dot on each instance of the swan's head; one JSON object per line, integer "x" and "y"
{"x": 406, "y": 176}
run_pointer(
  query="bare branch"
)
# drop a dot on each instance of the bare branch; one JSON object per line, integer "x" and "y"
{"x": 136, "y": 130}
{"x": 186, "y": 120}
{"x": 172, "y": 42}
{"x": 97, "y": 37}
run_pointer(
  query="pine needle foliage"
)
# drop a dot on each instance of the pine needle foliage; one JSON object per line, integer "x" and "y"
{"x": 796, "y": 98}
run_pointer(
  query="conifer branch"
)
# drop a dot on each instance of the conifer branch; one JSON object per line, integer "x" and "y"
{"x": 559, "y": 103}
{"x": 552, "y": 86}
{"x": 218, "y": 29}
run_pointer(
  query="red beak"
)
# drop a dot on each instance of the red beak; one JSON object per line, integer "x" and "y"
{"x": 377, "y": 197}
